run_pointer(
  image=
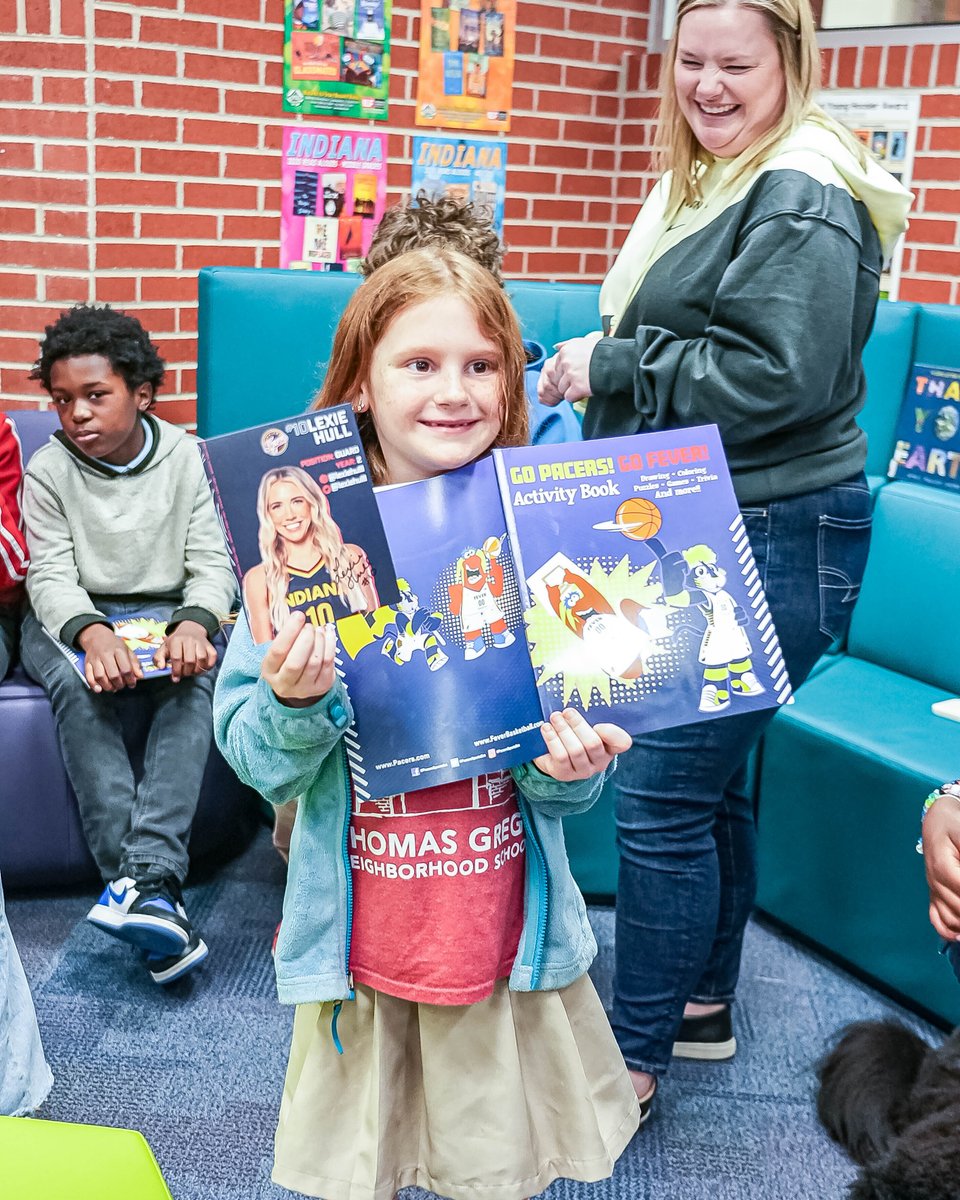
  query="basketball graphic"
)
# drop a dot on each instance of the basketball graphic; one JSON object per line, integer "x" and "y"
{"x": 638, "y": 518}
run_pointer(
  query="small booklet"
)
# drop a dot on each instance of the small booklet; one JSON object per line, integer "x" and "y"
{"x": 614, "y": 577}
{"x": 927, "y": 446}
{"x": 300, "y": 519}
{"x": 143, "y": 633}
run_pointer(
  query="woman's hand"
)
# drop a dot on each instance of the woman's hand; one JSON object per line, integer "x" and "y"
{"x": 187, "y": 651}
{"x": 576, "y": 749}
{"x": 299, "y": 664}
{"x": 941, "y": 858}
{"x": 566, "y": 376}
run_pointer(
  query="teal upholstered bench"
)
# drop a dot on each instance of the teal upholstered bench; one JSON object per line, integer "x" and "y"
{"x": 845, "y": 769}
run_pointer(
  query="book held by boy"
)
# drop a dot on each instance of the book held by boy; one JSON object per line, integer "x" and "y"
{"x": 143, "y": 633}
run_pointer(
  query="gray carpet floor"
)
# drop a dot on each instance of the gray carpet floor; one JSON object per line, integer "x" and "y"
{"x": 198, "y": 1068}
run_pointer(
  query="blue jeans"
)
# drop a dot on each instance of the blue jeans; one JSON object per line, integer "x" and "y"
{"x": 135, "y": 758}
{"x": 685, "y": 822}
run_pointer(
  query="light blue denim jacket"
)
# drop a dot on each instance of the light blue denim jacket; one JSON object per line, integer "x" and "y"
{"x": 284, "y": 752}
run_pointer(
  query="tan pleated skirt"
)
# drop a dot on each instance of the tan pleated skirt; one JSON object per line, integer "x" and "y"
{"x": 487, "y": 1101}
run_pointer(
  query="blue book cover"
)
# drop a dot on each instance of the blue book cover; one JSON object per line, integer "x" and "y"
{"x": 143, "y": 633}
{"x": 927, "y": 446}
{"x": 440, "y": 681}
{"x": 614, "y": 577}
{"x": 300, "y": 519}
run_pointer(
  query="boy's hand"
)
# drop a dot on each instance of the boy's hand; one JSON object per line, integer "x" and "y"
{"x": 299, "y": 664}
{"x": 576, "y": 749}
{"x": 187, "y": 651}
{"x": 110, "y": 664}
{"x": 941, "y": 858}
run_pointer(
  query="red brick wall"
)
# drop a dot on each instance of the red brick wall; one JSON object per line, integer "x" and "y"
{"x": 149, "y": 147}
{"x": 931, "y": 260}
{"x": 140, "y": 141}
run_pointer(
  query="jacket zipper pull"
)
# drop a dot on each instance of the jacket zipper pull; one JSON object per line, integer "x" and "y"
{"x": 333, "y": 1026}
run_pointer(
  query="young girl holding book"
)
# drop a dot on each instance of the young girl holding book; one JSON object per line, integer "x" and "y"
{"x": 447, "y": 1034}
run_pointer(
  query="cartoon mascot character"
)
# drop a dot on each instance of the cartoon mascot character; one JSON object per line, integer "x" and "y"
{"x": 475, "y": 596}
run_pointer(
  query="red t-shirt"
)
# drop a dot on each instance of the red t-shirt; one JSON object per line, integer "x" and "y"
{"x": 438, "y": 881}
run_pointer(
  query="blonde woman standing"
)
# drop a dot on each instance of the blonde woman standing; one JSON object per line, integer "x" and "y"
{"x": 743, "y": 296}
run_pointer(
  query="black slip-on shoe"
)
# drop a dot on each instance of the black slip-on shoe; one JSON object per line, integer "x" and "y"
{"x": 709, "y": 1038}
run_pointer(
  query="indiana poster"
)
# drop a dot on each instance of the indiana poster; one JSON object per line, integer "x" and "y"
{"x": 336, "y": 57}
{"x": 466, "y": 168}
{"x": 333, "y": 193}
{"x": 465, "y": 77}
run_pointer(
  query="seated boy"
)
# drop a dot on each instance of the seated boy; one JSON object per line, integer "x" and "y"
{"x": 13, "y": 542}
{"x": 940, "y": 845}
{"x": 448, "y": 222}
{"x": 120, "y": 519}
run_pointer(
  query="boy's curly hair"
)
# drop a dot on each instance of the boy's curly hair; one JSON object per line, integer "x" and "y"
{"x": 100, "y": 329}
{"x": 442, "y": 221}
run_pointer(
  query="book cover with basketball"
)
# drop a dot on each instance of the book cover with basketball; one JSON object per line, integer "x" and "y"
{"x": 614, "y": 577}
{"x": 642, "y": 602}
{"x": 143, "y": 633}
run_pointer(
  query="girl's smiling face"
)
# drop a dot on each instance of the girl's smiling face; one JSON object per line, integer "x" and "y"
{"x": 289, "y": 510}
{"x": 728, "y": 77}
{"x": 435, "y": 390}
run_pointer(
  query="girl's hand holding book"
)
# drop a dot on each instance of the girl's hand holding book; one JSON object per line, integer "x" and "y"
{"x": 299, "y": 664}
{"x": 578, "y": 750}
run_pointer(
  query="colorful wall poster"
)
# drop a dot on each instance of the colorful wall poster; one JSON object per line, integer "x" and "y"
{"x": 886, "y": 123}
{"x": 333, "y": 193}
{"x": 336, "y": 57}
{"x": 468, "y": 169}
{"x": 927, "y": 446}
{"x": 465, "y": 78}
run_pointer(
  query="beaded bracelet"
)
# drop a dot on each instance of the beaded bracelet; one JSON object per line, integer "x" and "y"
{"x": 945, "y": 789}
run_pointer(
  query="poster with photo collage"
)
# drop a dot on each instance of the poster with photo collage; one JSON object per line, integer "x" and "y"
{"x": 333, "y": 194}
{"x": 336, "y": 57}
{"x": 465, "y": 78}
{"x": 886, "y": 123}
{"x": 469, "y": 169}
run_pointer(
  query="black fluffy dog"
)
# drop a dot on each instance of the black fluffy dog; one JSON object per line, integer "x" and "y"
{"x": 893, "y": 1103}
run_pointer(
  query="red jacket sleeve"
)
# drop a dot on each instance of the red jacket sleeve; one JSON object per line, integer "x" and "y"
{"x": 13, "y": 543}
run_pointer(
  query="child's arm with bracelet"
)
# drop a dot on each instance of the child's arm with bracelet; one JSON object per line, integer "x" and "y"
{"x": 940, "y": 843}
{"x": 279, "y": 709}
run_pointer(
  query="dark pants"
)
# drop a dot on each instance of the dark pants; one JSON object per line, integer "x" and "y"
{"x": 8, "y": 642}
{"x": 130, "y": 823}
{"x": 685, "y": 820}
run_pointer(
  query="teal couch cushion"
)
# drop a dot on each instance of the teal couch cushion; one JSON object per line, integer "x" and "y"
{"x": 906, "y": 617}
{"x": 887, "y": 358}
{"x": 844, "y": 773}
{"x": 265, "y": 336}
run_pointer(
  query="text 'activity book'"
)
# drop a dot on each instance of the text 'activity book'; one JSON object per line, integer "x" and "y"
{"x": 143, "y": 633}
{"x": 614, "y": 577}
{"x": 927, "y": 446}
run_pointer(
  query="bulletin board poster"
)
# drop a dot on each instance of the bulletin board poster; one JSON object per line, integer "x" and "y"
{"x": 465, "y": 79}
{"x": 333, "y": 194}
{"x": 886, "y": 123}
{"x": 336, "y": 57}
{"x": 469, "y": 169}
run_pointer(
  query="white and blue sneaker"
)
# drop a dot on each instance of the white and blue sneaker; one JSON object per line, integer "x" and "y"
{"x": 169, "y": 968}
{"x": 148, "y": 914}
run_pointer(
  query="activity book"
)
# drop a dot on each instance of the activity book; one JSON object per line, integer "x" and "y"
{"x": 614, "y": 577}
{"x": 143, "y": 633}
